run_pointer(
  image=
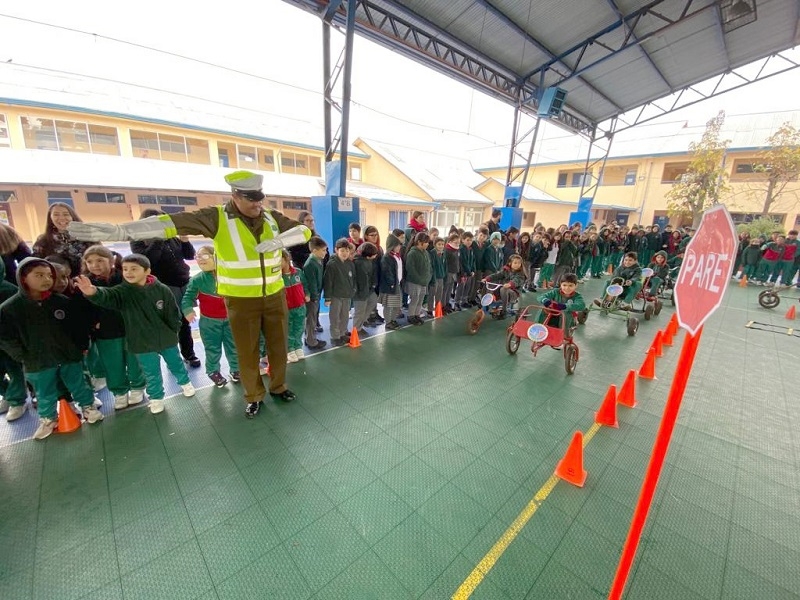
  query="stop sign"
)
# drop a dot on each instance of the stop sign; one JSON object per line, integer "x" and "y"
{"x": 706, "y": 269}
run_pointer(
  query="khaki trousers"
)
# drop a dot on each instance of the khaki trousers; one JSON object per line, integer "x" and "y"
{"x": 249, "y": 318}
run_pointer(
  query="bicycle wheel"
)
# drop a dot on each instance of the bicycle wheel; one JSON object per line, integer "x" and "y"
{"x": 570, "y": 358}
{"x": 512, "y": 343}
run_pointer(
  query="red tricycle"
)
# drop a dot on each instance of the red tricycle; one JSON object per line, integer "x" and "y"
{"x": 546, "y": 333}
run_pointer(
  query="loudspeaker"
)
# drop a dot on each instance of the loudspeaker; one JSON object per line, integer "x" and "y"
{"x": 552, "y": 102}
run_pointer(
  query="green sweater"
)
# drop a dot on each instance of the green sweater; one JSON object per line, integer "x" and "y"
{"x": 151, "y": 316}
{"x": 418, "y": 267}
{"x": 313, "y": 271}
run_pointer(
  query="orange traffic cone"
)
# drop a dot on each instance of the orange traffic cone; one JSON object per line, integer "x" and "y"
{"x": 648, "y": 368}
{"x": 627, "y": 393}
{"x": 570, "y": 468}
{"x": 666, "y": 339}
{"x": 743, "y": 281}
{"x": 658, "y": 344}
{"x": 354, "y": 341}
{"x": 68, "y": 421}
{"x": 673, "y": 324}
{"x": 438, "y": 313}
{"x": 791, "y": 314}
{"x": 607, "y": 415}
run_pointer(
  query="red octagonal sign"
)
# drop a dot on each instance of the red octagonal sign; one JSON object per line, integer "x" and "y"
{"x": 706, "y": 269}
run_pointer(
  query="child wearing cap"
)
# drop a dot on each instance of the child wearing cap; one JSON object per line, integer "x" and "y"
{"x": 215, "y": 330}
{"x": 152, "y": 320}
{"x": 42, "y": 330}
{"x": 493, "y": 258}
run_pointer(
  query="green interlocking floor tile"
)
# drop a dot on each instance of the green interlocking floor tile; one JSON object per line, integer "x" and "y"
{"x": 136, "y": 466}
{"x": 218, "y": 501}
{"x": 765, "y": 558}
{"x": 181, "y": 573}
{"x": 741, "y": 584}
{"x": 702, "y": 492}
{"x": 271, "y": 475}
{"x": 646, "y": 582}
{"x": 366, "y": 579}
{"x": 382, "y": 453}
{"x": 441, "y": 417}
{"x": 588, "y": 554}
{"x": 558, "y": 582}
{"x": 477, "y": 438}
{"x": 413, "y": 433}
{"x": 325, "y": 548}
{"x": 517, "y": 569}
{"x": 386, "y": 414}
{"x": 695, "y": 523}
{"x": 145, "y": 497}
{"x": 606, "y": 517}
{"x": 318, "y": 450}
{"x": 197, "y": 471}
{"x": 141, "y": 541}
{"x": 415, "y": 400}
{"x": 447, "y": 457}
{"x": 415, "y": 553}
{"x": 487, "y": 590}
{"x": 330, "y": 411}
{"x": 250, "y": 446}
{"x": 620, "y": 485}
{"x": 685, "y": 561}
{"x": 484, "y": 484}
{"x": 462, "y": 402}
{"x": 343, "y": 477}
{"x": 448, "y": 582}
{"x": 18, "y": 585}
{"x": 511, "y": 460}
{"x": 456, "y": 516}
{"x": 495, "y": 420}
{"x": 110, "y": 591}
{"x": 271, "y": 576}
{"x": 87, "y": 567}
{"x": 354, "y": 431}
{"x": 296, "y": 506}
{"x": 375, "y": 511}
{"x": 65, "y": 526}
{"x": 413, "y": 480}
{"x": 181, "y": 443}
{"x": 775, "y": 525}
{"x": 234, "y": 543}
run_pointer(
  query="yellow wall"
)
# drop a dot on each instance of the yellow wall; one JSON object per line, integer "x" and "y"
{"x": 382, "y": 173}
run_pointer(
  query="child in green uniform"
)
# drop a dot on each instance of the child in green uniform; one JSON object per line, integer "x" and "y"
{"x": 660, "y": 271}
{"x": 122, "y": 372}
{"x": 313, "y": 270}
{"x": 44, "y": 332}
{"x": 631, "y": 274}
{"x": 564, "y": 298}
{"x": 751, "y": 257}
{"x": 513, "y": 278}
{"x": 294, "y": 282}
{"x": 152, "y": 321}
{"x": 215, "y": 331}
{"x": 12, "y": 378}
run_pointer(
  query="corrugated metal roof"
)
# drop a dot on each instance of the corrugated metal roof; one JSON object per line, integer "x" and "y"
{"x": 442, "y": 178}
{"x": 381, "y": 195}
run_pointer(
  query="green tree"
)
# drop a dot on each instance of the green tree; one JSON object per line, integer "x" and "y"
{"x": 761, "y": 226}
{"x": 705, "y": 179}
{"x": 781, "y": 164}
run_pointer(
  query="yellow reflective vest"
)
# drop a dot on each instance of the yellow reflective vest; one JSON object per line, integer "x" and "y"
{"x": 241, "y": 271}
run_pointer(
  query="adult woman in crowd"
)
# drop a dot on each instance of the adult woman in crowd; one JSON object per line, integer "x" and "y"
{"x": 168, "y": 263}
{"x": 13, "y": 250}
{"x": 56, "y": 239}
{"x": 300, "y": 253}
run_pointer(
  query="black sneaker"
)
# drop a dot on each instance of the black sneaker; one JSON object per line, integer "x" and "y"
{"x": 318, "y": 346}
{"x": 286, "y": 395}
{"x": 392, "y": 325}
{"x": 251, "y": 410}
{"x": 318, "y": 328}
{"x": 218, "y": 379}
{"x": 235, "y": 376}
{"x": 194, "y": 362}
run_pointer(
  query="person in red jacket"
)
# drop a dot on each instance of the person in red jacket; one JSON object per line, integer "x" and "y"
{"x": 296, "y": 297}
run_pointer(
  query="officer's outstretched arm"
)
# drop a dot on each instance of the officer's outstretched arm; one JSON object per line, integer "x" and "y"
{"x": 292, "y": 237}
{"x": 158, "y": 227}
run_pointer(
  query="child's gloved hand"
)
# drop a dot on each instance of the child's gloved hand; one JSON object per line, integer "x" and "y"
{"x": 560, "y": 306}
{"x": 547, "y": 302}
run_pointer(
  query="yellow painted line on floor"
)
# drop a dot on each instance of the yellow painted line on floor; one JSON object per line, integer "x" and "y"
{"x": 482, "y": 569}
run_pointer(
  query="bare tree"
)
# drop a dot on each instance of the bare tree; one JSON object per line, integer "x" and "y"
{"x": 780, "y": 162}
{"x": 705, "y": 179}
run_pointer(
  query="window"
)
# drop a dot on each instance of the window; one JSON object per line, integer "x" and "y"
{"x": 109, "y": 198}
{"x": 618, "y": 175}
{"x": 5, "y": 140}
{"x": 739, "y": 218}
{"x": 743, "y": 167}
{"x": 168, "y": 200}
{"x": 354, "y": 174}
{"x": 570, "y": 178}
{"x": 39, "y": 134}
{"x": 149, "y": 144}
{"x": 171, "y": 210}
{"x": 58, "y": 196}
{"x": 529, "y": 219}
{"x": 72, "y": 136}
{"x": 8, "y": 197}
{"x": 145, "y": 144}
{"x": 578, "y": 179}
{"x": 398, "y": 219}
{"x": 266, "y": 160}
{"x": 673, "y": 171}
{"x": 748, "y": 169}
{"x": 444, "y": 218}
{"x": 295, "y": 205}
{"x": 227, "y": 155}
{"x": 362, "y": 215}
{"x": 473, "y": 217}
{"x": 197, "y": 151}
{"x": 103, "y": 140}
{"x": 173, "y": 147}
{"x": 630, "y": 177}
{"x": 562, "y": 179}
{"x": 300, "y": 164}
{"x": 246, "y": 156}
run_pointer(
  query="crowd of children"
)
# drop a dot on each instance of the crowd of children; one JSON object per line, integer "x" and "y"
{"x": 772, "y": 261}
{"x": 115, "y": 321}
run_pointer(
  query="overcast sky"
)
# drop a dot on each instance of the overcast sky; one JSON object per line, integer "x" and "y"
{"x": 271, "y": 54}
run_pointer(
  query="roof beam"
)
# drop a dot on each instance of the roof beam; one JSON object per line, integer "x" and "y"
{"x": 532, "y": 40}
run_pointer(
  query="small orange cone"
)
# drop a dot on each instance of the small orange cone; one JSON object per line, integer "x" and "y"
{"x": 68, "y": 421}
{"x": 658, "y": 344}
{"x": 648, "y": 368}
{"x": 570, "y": 468}
{"x": 791, "y": 314}
{"x": 627, "y": 393}
{"x": 607, "y": 415}
{"x": 438, "y": 313}
{"x": 673, "y": 324}
{"x": 743, "y": 281}
{"x": 354, "y": 341}
{"x": 666, "y": 339}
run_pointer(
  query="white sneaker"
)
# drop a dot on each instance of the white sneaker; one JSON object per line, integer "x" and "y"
{"x": 99, "y": 383}
{"x": 188, "y": 390}
{"x": 299, "y": 354}
{"x": 15, "y": 412}
{"x": 156, "y": 406}
{"x": 135, "y": 397}
{"x": 291, "y": 357}
{"x": 46, "y": 427}
{"x": 120, "y": 401}
{"x": 3, "y": 405}
{"x": 92, "y": 415}
{"x": 97, "y": 402}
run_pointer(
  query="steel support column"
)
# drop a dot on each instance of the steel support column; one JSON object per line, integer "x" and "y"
{"x": 601, "y": 140}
